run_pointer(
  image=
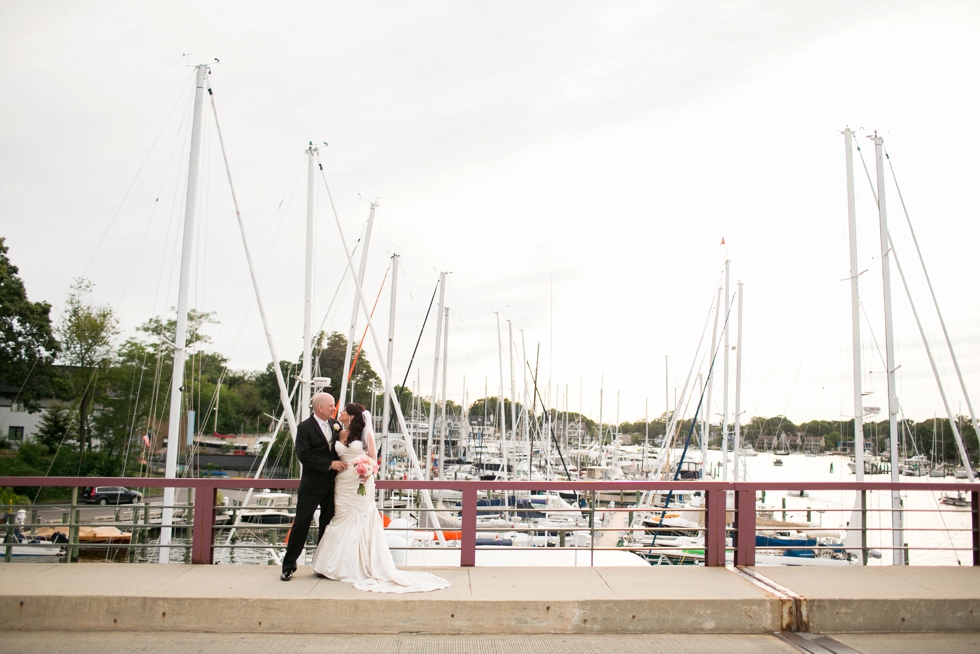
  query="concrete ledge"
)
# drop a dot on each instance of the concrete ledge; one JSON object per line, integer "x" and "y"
{"x": 694, "y": 600}
{"x": 887, "y": 599}
{"x": 319, "y": 616}
{"x": 251, "y": 599}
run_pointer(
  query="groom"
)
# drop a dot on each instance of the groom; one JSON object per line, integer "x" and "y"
{"x": 315, "y": 437}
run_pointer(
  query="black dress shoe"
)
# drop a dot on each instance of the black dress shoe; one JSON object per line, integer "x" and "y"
{"x": 286, "y": 575}
{"x": 320, "y": 575}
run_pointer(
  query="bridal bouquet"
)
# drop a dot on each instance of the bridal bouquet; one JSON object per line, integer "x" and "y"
{"x": 364, "y": 466}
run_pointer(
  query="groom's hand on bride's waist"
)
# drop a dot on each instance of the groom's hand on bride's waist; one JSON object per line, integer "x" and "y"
{"x": 339, "y": 466}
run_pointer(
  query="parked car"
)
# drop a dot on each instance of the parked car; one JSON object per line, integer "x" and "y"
{"x": 110, "y": 495}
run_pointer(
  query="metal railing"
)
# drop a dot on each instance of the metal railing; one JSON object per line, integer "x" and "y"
{"x": 727, "y": 528}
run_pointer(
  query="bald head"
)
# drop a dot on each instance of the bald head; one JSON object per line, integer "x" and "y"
{"x": 323, "y": 405}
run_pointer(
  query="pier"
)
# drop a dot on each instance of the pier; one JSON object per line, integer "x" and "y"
{"x": 728, "y": 598}
{"x": 697, "y": 609}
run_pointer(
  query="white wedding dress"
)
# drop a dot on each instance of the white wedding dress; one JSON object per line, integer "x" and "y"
{"x": 353, "y": 548}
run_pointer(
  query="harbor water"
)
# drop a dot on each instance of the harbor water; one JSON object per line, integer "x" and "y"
{"x": 931, "y": 528}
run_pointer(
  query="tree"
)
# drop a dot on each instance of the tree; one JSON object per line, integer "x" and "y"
{"x": 86, "y": 331}
{"x": 407, "y": 400}
{"x": 57, "y": 426}
{"x": 329, "y": 353}
{"x": 832, "y": 440}
{"x": 28, "y": 346}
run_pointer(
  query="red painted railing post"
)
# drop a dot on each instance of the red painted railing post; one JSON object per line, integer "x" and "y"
{"x": 745, "y": 527}
{"x": 202, "y": 550}
{"x": 467, "y": 541}
{"x": 975, "y": 515}
{"x": 714, "y": 528}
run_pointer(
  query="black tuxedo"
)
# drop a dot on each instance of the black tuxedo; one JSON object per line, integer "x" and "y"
{"x": 315, "y": 486}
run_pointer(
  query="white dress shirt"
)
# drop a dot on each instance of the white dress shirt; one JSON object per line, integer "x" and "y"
{"x": 325, "y": 428}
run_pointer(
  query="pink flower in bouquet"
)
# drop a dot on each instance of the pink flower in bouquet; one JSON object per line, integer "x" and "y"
{"x": 364, "y": 466}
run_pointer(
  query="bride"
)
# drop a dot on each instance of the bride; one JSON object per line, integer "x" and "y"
{"x": 353, "y": 547}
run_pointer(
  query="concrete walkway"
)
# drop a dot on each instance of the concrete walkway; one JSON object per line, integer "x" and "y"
{"x": 98, "y": 597}
{"x": 152, "y": 643}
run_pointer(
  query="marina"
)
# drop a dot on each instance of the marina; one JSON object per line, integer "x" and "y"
{"x": 793, "y": 523}
{"x": 621, "y": 362}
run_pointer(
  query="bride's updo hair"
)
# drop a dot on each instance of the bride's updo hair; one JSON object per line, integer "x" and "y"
{"x": 355, "y": 431}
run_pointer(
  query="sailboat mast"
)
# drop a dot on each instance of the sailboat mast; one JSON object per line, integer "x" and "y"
{"x": 738, "y": 383}
{"x": 180, "y": 338}
{"x": 855, "y": 310}
{"x": 646, "y": 436}
{"x": 724, "y": 409}
{"x": 389, "y": 363}
{"x": 711, "y": 384}
{"x": 513, "y": 395}
{"x": 306, "y": 373}
{"x": 353, "y": 316}
{"x": 602, "y": 430}
{"x": 429, "y": 451}
{"x": 217, "y": 404}
{"x": 443, "y": 432}
{"x": 502, "y": 425}
{"x": 898, "y": 557}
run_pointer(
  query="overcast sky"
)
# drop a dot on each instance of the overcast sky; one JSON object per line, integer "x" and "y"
{"x": 574, "y": 166}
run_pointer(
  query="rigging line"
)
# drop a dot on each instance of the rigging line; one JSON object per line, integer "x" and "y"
{"x": 280, "y": 382}
{"x": 872, "y": 331}
{"x": 408, "y": 371}
{"x": 129, "y": 432}
{"x": 671, "y": 427}
{"x": 288, "y": 195}
{"x": 133, "y": 183}
{"x": 174, "y": 217}
{"x": 163, "y": 181}
{"x": 81, "y": 444}
{"x": 932, "y": 362}
{"x": 554, "y": 437}
{"x": 132, "y": 427}
{"x": 690, "y": 431}
{"x": 343, "y": 278}
{"x": 935, "y": 301}
{"x": 71, "y": 421}
{"x": 149, "y": 222}
{"x": 796, "y": 378}
{"x": 949, "y": 535}
{"x": 360, "y": 344}
{"x": 136, "y": 258}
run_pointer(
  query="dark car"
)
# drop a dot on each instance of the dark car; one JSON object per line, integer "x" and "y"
{"x": 110, "y": 495}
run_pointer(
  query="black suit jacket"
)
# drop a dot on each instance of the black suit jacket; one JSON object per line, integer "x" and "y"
{"x": 316, "y": 455}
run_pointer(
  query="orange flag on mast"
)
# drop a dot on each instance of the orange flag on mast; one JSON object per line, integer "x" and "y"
{"x": 722, "y": 240}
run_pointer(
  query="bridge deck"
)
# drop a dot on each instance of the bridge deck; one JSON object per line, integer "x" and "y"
{"x": 98, "y": 597}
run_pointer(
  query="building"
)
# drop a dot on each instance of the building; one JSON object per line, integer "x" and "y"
{"x": 16, "y": 424}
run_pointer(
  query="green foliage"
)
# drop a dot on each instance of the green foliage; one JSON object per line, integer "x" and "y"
{"x": 490, "y": 406}
{"x": 408, "y": 401}
{"x": 86, "y": 331}
{"x": 282, "y": 449}
{"x": 57, "y": 426}
{"x": 36, "y": 460}
{"x": 8, "y": 497}
{"x": 28, "y": 346}
{"x": 639, "y": 428}
{"x": 329, "y": 353}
